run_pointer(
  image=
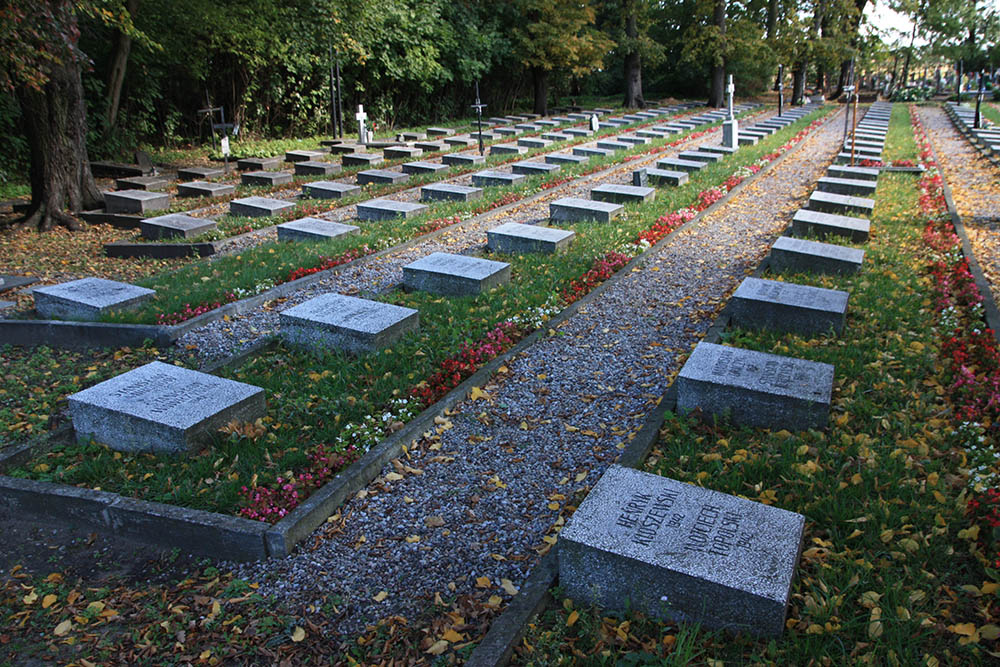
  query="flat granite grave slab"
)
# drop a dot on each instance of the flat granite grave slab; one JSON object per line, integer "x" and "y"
{"x": 782, "y": 306}
{"x": 532, "y": 168}
{"x": 175, "y": 225}
{"x": 341, "y": 148}
{"x": 303, "y": 156}
{"x": 150, "y": 183}
{"x": 329, "y": 190}
{"x": 491, "y": 177}
{"x": 395, "y": 152}
{"x": 313, "y": 229}
{"x": 88, "y": 299}
{"x": 676, "y": 164}
{"x": 462, "y": 159}
{"x": 611, "y": 145}
{"x": 507, "y": 131}
{"x": 448, "y": 191}
{"x": 430, "y": 146}
{"x": 815, "y": 223}
{"x": 386, "y": 209}
{"x": 700, "y": 156}
{"x": 747, "y": 140}
{"x": 590, "y": 152}
{"x": 360, "y": 159}
{"x": 855, "y": 173}
{"x": 633, "y": 139}
{"x": 533, "y": 142}
{"x": 717, "y": 148}
{"x": 804, "y": 256}
{"x": 13, "y": 282}
{"x": 650, "y": 134}
{"x": 265, "y": 178}
{"x": 336, "y": 321}
{"x": 204, "y": 189}
{"x": 316, "y": 168}
{"x": 555, "y": 136}
{"x": 162, "y": 408}
{"x": 755, "y": 388}
{"x": 827, "y": 202}
{"x": 574, "y": 209}
{"x": 454, "y": 275}
{"x": 258, "y": 163}
{"x": 578, "y": 132}
{"x": 258, "y": 207}
{"x": 421, "y": 167}
{"x": 199, "y": 173}
{"x": 513, "y": 238}
{"x": 622, "y": 194}
{"x": 381, "y": 176}
{"x": 666, "y": 176}
{"x": 459, "y": 141}
{"x": 135, "y": 201}
{"x": 846, "y": 186}
{"x": 507, "y": 149}
{"x": 440, "y": 131}
{"x": 680, "y": 552}
{"x": 413, "y": 136}
{"x": 565, "y": 158}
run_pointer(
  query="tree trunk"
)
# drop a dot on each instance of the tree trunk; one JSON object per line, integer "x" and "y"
{"x": 56, "y": 128}
{"x": 845, "y": 71}
{"x": 541, "y": 80}
{"x": 820, "y": 78}
{"x": 633, "y": 61}
{"x": 116, "y": 75}
{"x": 717, "y": 96}
{"x": 772, "y": 19}
{"x": 798, "y": 83}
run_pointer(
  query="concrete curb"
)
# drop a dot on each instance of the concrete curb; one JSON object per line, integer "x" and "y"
{"x": 506, "y": 631}
{"x": 235, "y": 538}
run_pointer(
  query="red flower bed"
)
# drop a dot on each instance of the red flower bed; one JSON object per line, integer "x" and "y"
{"x": 188, "y": 311}
{"x": 328, "y": 263}
{"x": 603, "y": 268}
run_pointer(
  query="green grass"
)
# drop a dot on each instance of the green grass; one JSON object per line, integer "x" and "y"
{"x": 884, "y": 566}
{"x": 343, "y": 390}
{"x": 14, "y": 190}
{"x": 899, "y": 142}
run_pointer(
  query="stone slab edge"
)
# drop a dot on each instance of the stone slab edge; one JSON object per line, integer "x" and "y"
{"x": 496, "y": 647}
{"x": 324, "y": 501}
{"x": 106, "y": 334}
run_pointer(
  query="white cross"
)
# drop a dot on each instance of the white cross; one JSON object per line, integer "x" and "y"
{"x": 361, "y": 116}
{"x": 730, "y": 89}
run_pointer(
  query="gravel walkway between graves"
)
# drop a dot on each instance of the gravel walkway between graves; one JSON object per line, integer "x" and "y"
{"x": 478, "y": 496}
{"x": 975, "y": 187}
{"x": 221, "y": 338}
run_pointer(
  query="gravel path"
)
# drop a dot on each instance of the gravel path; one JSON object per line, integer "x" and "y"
{"x": 476, "y": 499}
{"x": 222, "y": 338}
{"x": 975, "y": 187}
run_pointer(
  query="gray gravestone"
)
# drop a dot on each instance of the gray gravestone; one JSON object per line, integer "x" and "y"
{"x": 640, "y": 177}
{"x": 513, "y": 238}
{"x": 199, "y": 173}
{"x": 386, "y": 209}
{"x": 204, "y": 189}
{"x": 462, "y": 159}
{"x": 622, "y": 194}
{"x": 700, "y": 156}
{"x": 507, "y": 149}
{"x": 394, "y": 152}
{"x": 679, "y": 552}
{"x": 748, "y": 140}
{"x": 589, "y": 152}
{"x": 491, "y": 177}
{"x": 846, "y": 186}
{"x": 821, "y": 225}
{"x": 578, "y": 131}
{"x": 565, "y": 158}
{"x": 421, "y": 167}
{"x": 360, "y": 159}
{"x": 162, "y": 408}
{"x": 781, "y": 306}
{"x": 633, "y": 139}
{"x": 313, "y": 229}
{"x": 266, "y": 178}
{"x": 329, "y": 190}
{"x": 303, "y": 156}
{"x": 151, "y": 183}
{"x": 667, "y": 176}
{"x": 258, "y": 163}
{"x": 555, "y": 136}
{"x": 440, "y": 131}
{"x": 755, "y": 388}
{"x": 258, "y": 207}
{"x": 439, "y": 191}
{"x": 802, "y": 256}
{"x": 135, "y": 201}
{"x": 674, "y": 164}
{"x": 856, "y": 173}
{"x": 459, "y": 141}
{"x": 454, "y": 275}
{"x": 316, "y": 168}
{"x": 430, "y": 146}
{"x": 175, "y": 225}
{"x": 532, "y": 168}
{"x": 574, "y": 209}
{"x": 88, "y": 298}
{"x": 611, "y": 145}
{"x": 381, "y": 176}
{"x": 335, "y": 321}
{"x": 532, "y": 142}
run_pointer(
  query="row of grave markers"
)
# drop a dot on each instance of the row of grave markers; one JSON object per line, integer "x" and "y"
{"x": 684, "y": 553}
{"x": 964, "y": 117}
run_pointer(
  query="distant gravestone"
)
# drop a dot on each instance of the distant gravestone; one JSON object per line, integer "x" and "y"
{"x": 667, "y": 176}
{"x": 88, "y": 298}
{"x": 175, "y": 225}
{"x": 507, "y": 149}
{"x": 574, "y": 209}
{"x": 152, "y": 183}
{"x": 679, "y": 552}
{"x": 586, "y": 151}
{"x": 336, "y": 321}
{"x": 462, "y": 159}
{"x": 395, "y": 152}
{"x": 421, "y": 167}
{"x": 268, "y": 178}
{"x": 565, "y": 158}
{"x": 491, "y": 177}
{"x": 755, "y": 388}
{"x": 803, "y": 256}
{"x": 135, "y": 201}
{"x": 783, "y": 306}
{"x": 258, "y": 207}
{"x": 532, "y": 168}
{"x": 847, "y": 186}
{"x": 329, "y": 190}
{"x": 204, "y": 189}
{"x": 676, "y": 164}
{"x": 199, "y": 173}
{"x": 532, "y": 142}
{"x": 258, "y": 163}
{"x": 316, "y": 168}
{"x": 513, "y": 238}
{"x": 454, "y": 275}
{"x": 303, "y": 156}
{"x": 360, "y": 159}
{"x": 162, "y": 408}
{"x": 640, "y": 178}
{"x": 381, "y": 176}
{"x": 387, "y": 209}
{"x": 821, "y": 225}
{"x": 449, "y": 191}
{"x": 623, "y": 194}
{"x": 313, "y": 229}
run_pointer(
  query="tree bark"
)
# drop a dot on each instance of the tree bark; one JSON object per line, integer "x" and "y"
{"x": 717, "y": 96}
{"x": 116, "y": 75}
{"x": 541, "y": 82}
{"x": 772, "y": 19}
{"x": 56, "y": 128}
{"x": 633, "y": 61}
{"x": 798, "y": 83}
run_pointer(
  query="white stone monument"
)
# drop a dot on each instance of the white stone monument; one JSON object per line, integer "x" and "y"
{"x": 731, "y": 127}
{"x": 361, "y": 117}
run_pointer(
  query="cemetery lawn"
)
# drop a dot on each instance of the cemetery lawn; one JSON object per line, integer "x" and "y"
{"x": 889, "y": 573}
{"x": 335, "y": 406}
{"x": 899, "y": 142}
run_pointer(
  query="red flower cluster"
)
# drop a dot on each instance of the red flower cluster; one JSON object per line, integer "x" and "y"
{"x": 664, "y": 225}
{"x": 602, "y": 269}
{"x": 469, "y": 358}
{"x": 271, "y": 503}
{"x": 436, "y": 224}
{"x": 328, "y": 263}
{"x": 188, "y": 311}
{"x": 983, "y": 510}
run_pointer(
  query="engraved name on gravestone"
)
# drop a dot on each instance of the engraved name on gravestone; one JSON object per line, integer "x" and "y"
{"x": 801, "y": 255}
{"x": 162, "y": 408}
{"x": 781, "y": 306}
{"x": 346, "y": 323}
{"x": 680, "y": 552}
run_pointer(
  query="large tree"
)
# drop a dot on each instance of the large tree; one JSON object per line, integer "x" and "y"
{"x": 41, "y": 66}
